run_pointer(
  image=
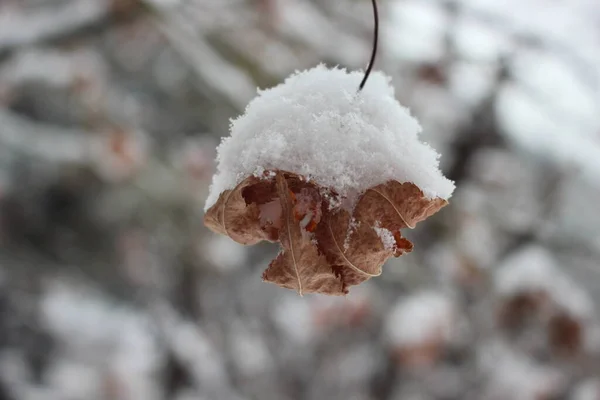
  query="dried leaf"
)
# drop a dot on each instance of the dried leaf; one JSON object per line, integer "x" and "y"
{"x": 565, "y": 334}
{"x": 364, "y": 255}
{"x": 234, "y": 217}
{"x": 299, "y": 265}
{"x": 399, "y": 205}
{"x": 358, "y": 250}
{"x": 264, "y": 193}
{"x": 423, "y": 355}
{"x": 326, "y": 248}
{"x": 522, "y": 308}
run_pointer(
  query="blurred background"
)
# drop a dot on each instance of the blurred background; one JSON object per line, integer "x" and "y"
{"x": 111, "y": 287}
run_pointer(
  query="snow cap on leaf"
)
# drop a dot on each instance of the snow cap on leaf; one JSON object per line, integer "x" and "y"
{"x": 318, "y": 125}
{"x": 331, "y": 173}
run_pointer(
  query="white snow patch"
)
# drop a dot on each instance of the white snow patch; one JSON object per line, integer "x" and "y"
{"x": 352, "y": 226}
{"x": 248, "y": 350}
{"x": 317, "y": 125}
{"x": 587, "y": 390}
{"x": 479, "y": 41}
{"x": 386, "y": 236}
{"x": 74, "y": 380}
{"x": 198, "y": 353}
{"x": 416, "y": 30}
{"x": 420, "y": 318}
{"x": 515, "y": 376}
{"x": 293, "y": 318}
{"x": 534, "y": 268}
{"x": 223, "y": 254}
{"x": 561, "y": 129}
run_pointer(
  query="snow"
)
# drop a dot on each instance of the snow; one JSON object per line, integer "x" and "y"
{"x": 195, "y": 349}
{"x": 416, "y": 31}
{"x": 309, "y": 25}
{"x": 355, "y": 364}
{"x": 249, "y": 350}
{"x": 75, "y": 380}
{"x": 515, "y": 375}
{"x": 533, "y": 269}
{"x": 542, "y": 132}
{"x": 560, "y": 129}
{"x": 13, "y": 367}
{"x": 386, "y": 236}
{"x": 352, "y": 226}
{"x": 478, "y": 41}
{"x": 223, "y": 254}
{"x": 52, "y": 67}
{"x": 208, "y": 64}
{"x": 420, "y": 318}
{"x": 317, "y": 125}
{"x": 68, "y": 74}
{"x": 98, "y": 340}
{"x": 21, "y": 27}
{"x": 471, "y": 82}
{"x": 293, "y": 318}
{"x": 587, "y": 390}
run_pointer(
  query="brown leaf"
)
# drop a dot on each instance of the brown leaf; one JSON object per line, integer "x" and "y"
{"x": 399, "y": 205}
{"x": 357, "y": 246}
{"x": 299, "y": 265}
{"x": 125, "y": 8}
{"x": 264, "y": 193}
{"x": 120, "y": 144}
{"x": 565, "y": 334}
{"x": 232, "y": 216}
{"x": 355, "y": 252}
{"x": 433, "y": 73}
{"x": 423, "y": 355}
{"x": 326, "y": 248}
{"x": 521, "y": 308}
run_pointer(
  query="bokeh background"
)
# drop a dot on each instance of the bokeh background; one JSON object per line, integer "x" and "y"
{"x": 112, "y": 289}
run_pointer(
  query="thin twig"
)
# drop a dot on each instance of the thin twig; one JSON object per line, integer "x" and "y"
{"x": 375, "y": 41}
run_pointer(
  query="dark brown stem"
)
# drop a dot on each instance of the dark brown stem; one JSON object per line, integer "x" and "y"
{"x": 375, "y": 41}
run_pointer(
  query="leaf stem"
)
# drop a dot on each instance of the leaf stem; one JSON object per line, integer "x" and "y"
{"x": 375, "y": 41}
